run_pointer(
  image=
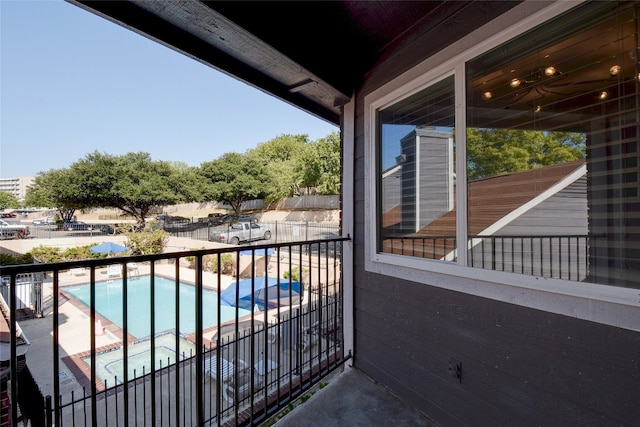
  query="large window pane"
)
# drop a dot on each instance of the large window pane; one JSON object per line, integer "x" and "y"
{"x": 417, "y": 176}
{"x": 552, "y": 150}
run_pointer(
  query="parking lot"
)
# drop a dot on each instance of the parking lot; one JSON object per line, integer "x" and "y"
{"x": 281, "y": 231}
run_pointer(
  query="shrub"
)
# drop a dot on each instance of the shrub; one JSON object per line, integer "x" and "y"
{"x": 55, "y": 254}
{"x": 191, "y": 260}
{"x": 295, "y": 274}
{"x": 47, "y": 254}
{"x": 226, "y": 261}
{"x": 147, "y": 241}
{"x": 8, "y": 259}
{"x": 80, "y": 252}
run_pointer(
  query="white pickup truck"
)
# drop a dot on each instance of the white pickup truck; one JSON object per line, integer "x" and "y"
{"x": 240, "y": 232}
{"x": 13, "y": 231}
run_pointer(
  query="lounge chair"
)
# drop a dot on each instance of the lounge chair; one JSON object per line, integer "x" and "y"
{"x": 227, "y": 331}
{"x": 229, "y": 376}
{"x": 78, "y": 271}
{"x": 114, "y": 270}
{"x": 132, "y": 268}
{"x": 227, "y": 369}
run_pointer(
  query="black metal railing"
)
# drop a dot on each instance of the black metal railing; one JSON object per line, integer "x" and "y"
{"x": 560, "y": 256}
{"x": 277, "y": 340}
{"x": 557, "y": 256}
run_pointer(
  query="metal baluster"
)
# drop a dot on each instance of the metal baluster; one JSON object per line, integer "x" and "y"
{"x": 125, "y": 347}
{"x": 177, "y": 342}
{"x": 199, "y": 344}
{"x": 56, "y": 344}
{"x": 152, "y": 293}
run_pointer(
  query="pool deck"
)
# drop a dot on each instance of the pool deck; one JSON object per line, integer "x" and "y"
{"x": 74, "y": 327}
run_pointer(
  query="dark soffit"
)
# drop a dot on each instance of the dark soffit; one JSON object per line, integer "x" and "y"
{"x": 311, "y": 54}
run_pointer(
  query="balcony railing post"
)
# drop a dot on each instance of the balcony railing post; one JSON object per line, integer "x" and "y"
{"x": 313, "y": 350}
{"x": 199, "y": 345}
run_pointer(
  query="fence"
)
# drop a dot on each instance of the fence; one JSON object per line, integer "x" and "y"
{"x": 281, "y": 231}
{"x": 235, "y": 372}
{"x": 28, "y": 293}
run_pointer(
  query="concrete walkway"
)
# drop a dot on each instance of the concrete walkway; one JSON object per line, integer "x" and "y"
{"x": 352, "y": 399}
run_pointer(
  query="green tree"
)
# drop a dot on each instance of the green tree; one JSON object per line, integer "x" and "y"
{"x": 9, "y": 259}
{"x": 8, "y": 201}
{"x": 492, "y": 152}
{"x": 146, "y": 241}
{"x": 320, "y": 165}
{"x": 233, "y": 179}
{"x": 132, "y": 183}
{"x": 282, "y": 157}
{"x": 59, "y": 189}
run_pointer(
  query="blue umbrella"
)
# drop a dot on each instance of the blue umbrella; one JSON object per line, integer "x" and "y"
{"x": 108, "y": 248}
{"x": 258, "y": 252}
{"x": 276, "y": 293}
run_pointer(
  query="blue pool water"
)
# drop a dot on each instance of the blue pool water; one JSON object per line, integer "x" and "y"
{"x": 109, "y": 304}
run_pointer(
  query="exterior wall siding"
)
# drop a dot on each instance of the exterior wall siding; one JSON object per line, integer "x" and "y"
{"x": 520, "y": 366}
{"x": 562, "y": 214}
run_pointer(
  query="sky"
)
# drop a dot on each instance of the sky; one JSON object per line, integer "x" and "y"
{"x": 72, "y": 83}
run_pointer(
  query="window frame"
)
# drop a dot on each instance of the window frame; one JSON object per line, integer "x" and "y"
{"x": 610, "y": 305}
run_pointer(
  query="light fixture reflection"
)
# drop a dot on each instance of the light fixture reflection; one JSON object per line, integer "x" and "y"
{"x": 550, "y": 71}
{"x": 515, "y": 82}
{"x": 603, "y": 95}
{"x": 615, "y": 70}
{"x": 487, "y": 95}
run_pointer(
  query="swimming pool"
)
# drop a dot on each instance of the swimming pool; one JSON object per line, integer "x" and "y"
{"x": 109, "y": 304}
{"x": 110, "y": 366}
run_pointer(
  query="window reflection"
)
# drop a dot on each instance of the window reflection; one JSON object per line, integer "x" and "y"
{"x": 417, "y": 200}
{"x": 552, "y": 165}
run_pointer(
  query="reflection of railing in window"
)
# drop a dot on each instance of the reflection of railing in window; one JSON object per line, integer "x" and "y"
{"x": 559, "y": 256}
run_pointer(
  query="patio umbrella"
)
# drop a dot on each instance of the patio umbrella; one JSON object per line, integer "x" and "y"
{"x": 108, "y": 248}
{"x": 258, "y": 252}
{"x": 276, "y": 293}
{"x": 277, "y": 296}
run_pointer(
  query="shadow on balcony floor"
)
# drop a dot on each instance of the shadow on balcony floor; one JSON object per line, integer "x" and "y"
{"x": 353, "y": 399}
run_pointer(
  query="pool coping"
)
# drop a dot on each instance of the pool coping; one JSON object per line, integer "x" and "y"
{"x": 82, "y": 371}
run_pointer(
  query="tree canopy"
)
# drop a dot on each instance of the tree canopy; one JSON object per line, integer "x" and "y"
{"x": 132, "y": 183}
{"x": 320, "y": 165}
{"x": 8, "y": 201}
{"x": 233, "y": 179}
{"x": 493, "y": 152}
{"x": 282, "y": 157}
{"x": 57, "y": 188}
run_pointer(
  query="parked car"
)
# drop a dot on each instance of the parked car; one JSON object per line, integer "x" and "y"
{"x": 231, "y": 218}
{"x": 219, "y": 219}
{"x": 108, "y": 229}
{"x": 13, "y": 231}
{"x": 246, "y": 231}
{"x": 77, "y": 226}
{"x": 176, "y": 224}
{"x": 44, "y": 221}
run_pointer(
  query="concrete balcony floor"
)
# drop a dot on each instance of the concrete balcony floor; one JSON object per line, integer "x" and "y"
{"x": 351, "y": 398}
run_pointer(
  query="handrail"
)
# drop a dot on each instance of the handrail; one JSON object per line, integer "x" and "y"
{"x": 299, "y": 343}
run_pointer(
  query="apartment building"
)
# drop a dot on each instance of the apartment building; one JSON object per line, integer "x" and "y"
{"x": 16, "y": 186}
